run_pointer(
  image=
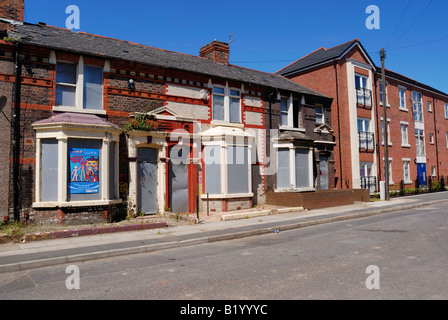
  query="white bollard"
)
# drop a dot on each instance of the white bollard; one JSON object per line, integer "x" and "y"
{"x": 382, "y": 190}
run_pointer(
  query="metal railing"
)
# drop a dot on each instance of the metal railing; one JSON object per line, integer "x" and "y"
{"x": 369, "y": 183}
{"x": 364, "y": 97}
{"x": 431, "y": 184}
{"x": 366, "y": 140}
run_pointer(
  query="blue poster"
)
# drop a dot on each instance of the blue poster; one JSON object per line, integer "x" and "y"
{"x": 84, "y": 170}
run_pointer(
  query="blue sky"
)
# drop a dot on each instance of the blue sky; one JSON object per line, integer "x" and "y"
{"x": 269, "y": 35}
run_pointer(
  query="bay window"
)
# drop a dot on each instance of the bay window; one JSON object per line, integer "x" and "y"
{"x": 76, "y": 161}
{"x": 227, "y": 163}
{"x": 294, "y": 168}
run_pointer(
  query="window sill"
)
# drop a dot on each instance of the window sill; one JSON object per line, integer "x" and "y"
{"x": 403, "y": 109}
{"x": 231, "y": 195}
{"x": 405, "y": 145}
{"x": 55, "y": 204}
{"x": 292, "y": 129}
{"x": 216, "y": 123}
{"x": 78, "y": 110}
{"x": 408, "y": 182}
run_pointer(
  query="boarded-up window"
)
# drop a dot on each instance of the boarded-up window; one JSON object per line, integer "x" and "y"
{"x": 302, "y": 168}
{"x": 49, "y": 170}
{"x": 112, "y": 176}
{"x": 87, "y": 186}
{"x": 283, "y": 168}
{"x": 237, "y": 169}
{"x": 212, "y": 169}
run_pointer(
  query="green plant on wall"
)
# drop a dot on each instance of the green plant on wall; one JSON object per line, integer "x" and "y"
{"x": 141, "y": 122}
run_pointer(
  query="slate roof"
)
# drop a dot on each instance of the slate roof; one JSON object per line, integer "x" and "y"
{"x": 322, "y": 55}
{"x": 84, "y": 43}
{"x": 316, "y": 57}
{"x": 400, "y": 77}
{"x": 76, "y": 119}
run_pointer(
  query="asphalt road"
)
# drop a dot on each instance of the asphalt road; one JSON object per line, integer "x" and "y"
{"x": 407, "y": 249}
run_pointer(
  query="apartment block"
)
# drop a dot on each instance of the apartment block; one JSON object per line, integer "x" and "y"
{"x": 416, "y": 118}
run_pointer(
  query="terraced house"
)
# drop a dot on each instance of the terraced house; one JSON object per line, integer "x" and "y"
{"x": 93, "y": 127}
{"x": 417, "y": 118}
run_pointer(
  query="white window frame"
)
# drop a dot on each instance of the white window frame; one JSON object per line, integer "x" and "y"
{"x": 388, "y": 132}
{"x": 402, "y": 100}
{"x": 380, "y": 84}
{"x": 287, "y": 112}
{"x": 407, "y": 165}
{"x": 433, "y": 171}
{"x": 224, "y": 144}
{"x": 446, "y": 110}
{"x": 404, "y": 142}
{"x": 420, "y": 137}
{"x": 292, "y": 171}
{"x": 431, "y": 138}
{"x": 320, "y": 115}
{"x": 62, "y": 134}
{"x": 447, "y": 139}
{"x": 79, "y": 92}
{"x": 227, "y": 96}
{"x": 364, "y": 84}
{"x": 429, "y": 104}
{"x": 417, "y": 106}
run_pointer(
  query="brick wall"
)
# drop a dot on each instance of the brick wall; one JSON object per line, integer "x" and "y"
{"x": 318, "y": 199}
{"x": 436, "y": 152}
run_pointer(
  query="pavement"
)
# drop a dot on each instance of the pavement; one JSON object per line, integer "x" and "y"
{"x": 215, "y": 227}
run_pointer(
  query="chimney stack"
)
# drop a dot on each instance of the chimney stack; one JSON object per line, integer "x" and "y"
{"x": 12, "y": 10}
{"x": 217, "y": 51}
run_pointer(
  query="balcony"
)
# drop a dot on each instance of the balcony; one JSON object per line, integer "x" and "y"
{"x": 366, "y": 141}
{"x": 364, "y": 98}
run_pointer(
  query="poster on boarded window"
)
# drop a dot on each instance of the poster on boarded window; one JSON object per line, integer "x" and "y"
{"x": 84, "y": 170}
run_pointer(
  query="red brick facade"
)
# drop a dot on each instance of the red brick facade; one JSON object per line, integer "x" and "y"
{"x": 331, "y": 79}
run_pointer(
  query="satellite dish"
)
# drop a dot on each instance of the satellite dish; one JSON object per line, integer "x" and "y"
{"x": 3, "y": 101}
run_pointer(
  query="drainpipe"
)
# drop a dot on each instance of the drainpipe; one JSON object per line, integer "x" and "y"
{"x": 435, "y": 133}
{"x": 339, "y": 121}
{"x": 16, "y": 135}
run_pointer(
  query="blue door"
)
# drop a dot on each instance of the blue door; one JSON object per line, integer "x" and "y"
{"x": 421, "y": 174}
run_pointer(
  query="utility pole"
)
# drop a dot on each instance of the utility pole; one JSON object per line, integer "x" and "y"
{"x": 386, "y": 131}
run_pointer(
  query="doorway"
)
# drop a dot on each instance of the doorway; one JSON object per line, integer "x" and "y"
{"x": 147, "y": 180}
{"x": 178, "y": 178}
{"x": 323, "y": 173}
